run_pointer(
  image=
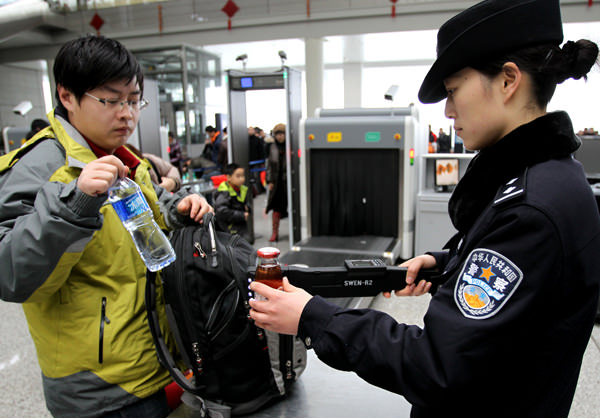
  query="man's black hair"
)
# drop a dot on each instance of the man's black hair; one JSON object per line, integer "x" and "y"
{"x": 210, "y": 128}
{"x": 86, "y": 63}
{"x": 230, "y": 168}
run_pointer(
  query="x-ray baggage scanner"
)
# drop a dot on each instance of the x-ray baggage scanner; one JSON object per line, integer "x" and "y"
{"x": 358, "y": 182}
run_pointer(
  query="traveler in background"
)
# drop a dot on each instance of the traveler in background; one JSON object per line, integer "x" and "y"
{"x": 162, "y": 172}
{"x": 256, "y": 144}
{"x": 175, "y": 153}
{"x": 222, "y": 158}
{"x": 232, "y": 203}
{"x": 212, "y": 144}
{"x": 256, "y": 153}
{"x": 36, "y": 126}
{"x": 65, "y": 254}
{"x": 444, "y": 142}
{"x": 506, "y": 329}
{"x": 277, "y": 179}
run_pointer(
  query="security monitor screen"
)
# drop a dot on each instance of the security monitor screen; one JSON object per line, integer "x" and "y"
{"x": 446, "y": 172}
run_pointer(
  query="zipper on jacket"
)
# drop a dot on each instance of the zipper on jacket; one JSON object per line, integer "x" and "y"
{"x": 103, "y": 320}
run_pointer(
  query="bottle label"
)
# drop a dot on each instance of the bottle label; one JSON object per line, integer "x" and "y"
{"x": 131, "y": 206}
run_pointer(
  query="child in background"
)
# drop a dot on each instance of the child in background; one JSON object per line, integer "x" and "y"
{"x": 231, "y": 202}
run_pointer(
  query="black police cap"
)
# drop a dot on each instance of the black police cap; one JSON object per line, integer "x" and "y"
{"x": 487, "y": 30}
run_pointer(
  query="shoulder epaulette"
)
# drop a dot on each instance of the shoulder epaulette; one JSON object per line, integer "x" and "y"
{"x": 512, "y": 190}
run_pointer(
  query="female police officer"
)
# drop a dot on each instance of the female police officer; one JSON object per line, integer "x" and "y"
{"x": 505, "y": 333}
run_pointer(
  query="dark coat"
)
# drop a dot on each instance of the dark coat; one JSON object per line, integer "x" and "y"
{"x": 277, "y": 174}
{"x": 505, "y": 333}
{"x": 230, "y": 206}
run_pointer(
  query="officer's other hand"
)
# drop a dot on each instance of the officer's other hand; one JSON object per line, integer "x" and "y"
{"x": 195, "y": 206}
{"x": 413, "y": 266}
{"x": 282, "y": 310}
{"x": 99, "y": 175}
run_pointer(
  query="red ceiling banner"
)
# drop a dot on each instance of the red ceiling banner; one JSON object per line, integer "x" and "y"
{"x": 97, "y": 23}
{"x": 230, "y": 9}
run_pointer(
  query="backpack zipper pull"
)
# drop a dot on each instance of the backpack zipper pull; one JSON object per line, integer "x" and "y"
{"x": 288, "y": 368}
{"x": 214, "y": 262}
{"x": 199, "y": 249}
{"x": 196, "y": 350}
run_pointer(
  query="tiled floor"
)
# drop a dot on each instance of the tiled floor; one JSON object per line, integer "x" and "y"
{"x": 20, "y": 382}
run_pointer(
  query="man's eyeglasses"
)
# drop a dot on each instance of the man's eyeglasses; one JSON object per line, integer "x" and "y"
{"x": 118, "y": 105}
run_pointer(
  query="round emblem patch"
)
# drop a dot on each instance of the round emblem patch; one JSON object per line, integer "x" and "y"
{"x": 475, "y": 297}
{"x": 486, "y": 282}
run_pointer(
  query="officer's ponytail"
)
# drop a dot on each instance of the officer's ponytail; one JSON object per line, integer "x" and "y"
{"x": 573, "y": 60}
{"x": 548, "y": 65}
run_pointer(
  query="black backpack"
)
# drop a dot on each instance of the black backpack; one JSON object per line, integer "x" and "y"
{"x": 237, "y": 368}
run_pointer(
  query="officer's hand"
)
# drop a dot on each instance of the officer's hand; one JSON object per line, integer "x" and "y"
{"x": 414, "y": 265}
{"x": 99, "y": 175}
{"x": 195, "y": 206}
{"x": 282, "y": 310}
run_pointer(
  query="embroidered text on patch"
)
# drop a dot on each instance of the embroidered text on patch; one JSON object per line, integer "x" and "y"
{"x": 486, "y": 282}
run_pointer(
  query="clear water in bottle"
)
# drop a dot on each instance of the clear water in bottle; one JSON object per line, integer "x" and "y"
{"x": 133, "y": 210}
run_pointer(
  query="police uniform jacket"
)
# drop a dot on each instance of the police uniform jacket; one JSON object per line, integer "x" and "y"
{"x": 505, "y": 333}
{"x": 68, "y": 259}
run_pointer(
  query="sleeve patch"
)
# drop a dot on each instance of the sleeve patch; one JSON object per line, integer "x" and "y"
{"x": 488, "y": 279}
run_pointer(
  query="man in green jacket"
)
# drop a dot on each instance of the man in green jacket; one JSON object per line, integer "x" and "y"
{"x": 65, "y": 254}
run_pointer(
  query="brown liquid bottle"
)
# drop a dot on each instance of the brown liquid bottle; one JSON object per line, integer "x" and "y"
{"x": 268, "y": 269}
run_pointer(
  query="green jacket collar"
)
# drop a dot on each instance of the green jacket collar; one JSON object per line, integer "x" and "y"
{"x": 226, "y": 187}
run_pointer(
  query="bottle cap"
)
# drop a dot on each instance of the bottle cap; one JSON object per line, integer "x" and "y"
{"x": 268, "y": 252}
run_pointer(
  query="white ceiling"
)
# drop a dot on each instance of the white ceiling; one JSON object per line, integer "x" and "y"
{"x": 29, "y": 30}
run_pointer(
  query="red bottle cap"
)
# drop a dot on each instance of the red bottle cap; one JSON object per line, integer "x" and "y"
{"x": 268, "y": 252}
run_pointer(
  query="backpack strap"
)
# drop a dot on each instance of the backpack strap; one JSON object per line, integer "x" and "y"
{"x": 205, "y": 408}
{"x": 164, "y": 354}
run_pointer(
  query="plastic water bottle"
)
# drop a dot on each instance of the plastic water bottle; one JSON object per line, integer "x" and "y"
{"x": 133, "y": 210}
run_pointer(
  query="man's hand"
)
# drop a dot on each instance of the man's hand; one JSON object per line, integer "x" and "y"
{"x": 195, "y": 206}
{"x": 282, "y": 310}
{"x": 99, "y": 175}
{"x": 414, "y": 265}
{"x": 168, "y": 183}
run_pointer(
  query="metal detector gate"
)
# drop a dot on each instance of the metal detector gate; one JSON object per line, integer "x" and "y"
{"x": 290, "y": 80}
